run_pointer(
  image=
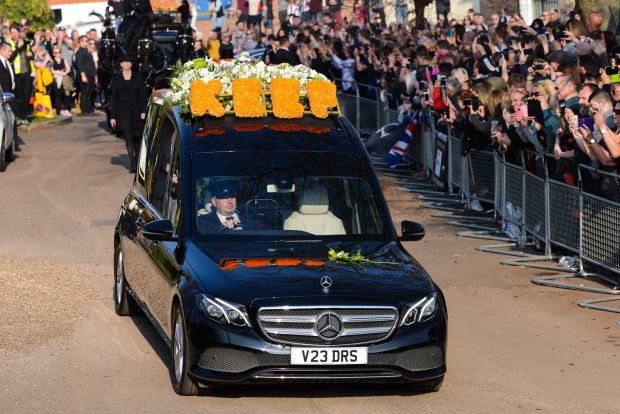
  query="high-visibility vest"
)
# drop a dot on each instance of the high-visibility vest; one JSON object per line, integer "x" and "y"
{"x": 17, "y": 63}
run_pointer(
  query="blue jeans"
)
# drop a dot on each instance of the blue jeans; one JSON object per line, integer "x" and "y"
{"x": 401, "y": 14}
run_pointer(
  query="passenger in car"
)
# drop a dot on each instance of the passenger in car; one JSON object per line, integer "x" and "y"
{"x": 313, "y": 215}
{"x": 225, "y": 217}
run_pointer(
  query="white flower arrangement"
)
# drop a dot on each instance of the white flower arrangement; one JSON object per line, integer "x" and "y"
{"x": 228, "y": 70}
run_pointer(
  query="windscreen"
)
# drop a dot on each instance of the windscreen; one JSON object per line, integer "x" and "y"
{"x": 285, "y": 194}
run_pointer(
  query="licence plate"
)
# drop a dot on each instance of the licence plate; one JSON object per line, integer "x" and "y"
{"x": 329, "y": 356}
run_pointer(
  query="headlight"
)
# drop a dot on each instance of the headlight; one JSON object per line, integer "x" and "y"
{"x": 224, "y": 312}
{"x": 421, "y": 311}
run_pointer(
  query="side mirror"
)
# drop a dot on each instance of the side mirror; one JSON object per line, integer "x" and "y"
{"x": 159, "y": 230}
{"x": 412, "y": 231}
{"x": 8, "y": 97}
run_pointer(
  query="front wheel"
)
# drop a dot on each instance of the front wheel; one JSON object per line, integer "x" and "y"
{"x": 124, "y": 303}
{"x": 11, "y": 151}
{"x": 2, "y": 154}
{"x": 181, "y": 382}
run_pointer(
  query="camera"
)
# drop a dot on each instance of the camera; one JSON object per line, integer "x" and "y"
{"x": 475, "y": 103}
{"x": 562, "y": 104}
{"x": 538, "y": 66}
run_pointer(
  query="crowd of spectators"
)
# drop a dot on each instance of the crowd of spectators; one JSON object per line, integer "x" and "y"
{"x": 550, "y": 86}
{"x": 70, "y": 58}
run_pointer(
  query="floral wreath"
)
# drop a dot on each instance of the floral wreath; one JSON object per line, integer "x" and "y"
{"x": 205, "y": 86}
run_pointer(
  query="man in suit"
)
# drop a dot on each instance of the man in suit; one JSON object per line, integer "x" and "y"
{"x": 7, "y": 77}
{"x": 225, "y": 217}
{"x": 7, "y": 82}
{"x": 86, "y": 71}
{"x": 283, "y": 55}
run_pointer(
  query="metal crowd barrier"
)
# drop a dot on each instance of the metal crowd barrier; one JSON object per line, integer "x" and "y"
{"x": 367, "y": 113}
{"x": 527, "y": 195}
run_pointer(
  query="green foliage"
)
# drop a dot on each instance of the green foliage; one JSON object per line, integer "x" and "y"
{"x": 37, "y": 11}
{"x": 355, "y": 259}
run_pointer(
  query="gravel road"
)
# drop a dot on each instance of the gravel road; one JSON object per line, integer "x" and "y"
{"x": 513, "y": 346}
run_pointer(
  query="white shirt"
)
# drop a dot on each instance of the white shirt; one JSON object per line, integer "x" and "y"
{"x": 222, "y": 218}
{"x": 8, "y": 65}
{"x": 253, "y": 7}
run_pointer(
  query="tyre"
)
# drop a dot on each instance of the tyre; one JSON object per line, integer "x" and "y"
{"x": 428, "y": 386}
{"x": 181, "y": 382}
{"x": 10, "y": 152}
{"x": 2, "y": 153}
{"x": 124, "y": 303}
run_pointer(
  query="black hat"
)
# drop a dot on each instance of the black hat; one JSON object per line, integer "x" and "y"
{"x": 223, "y": 189}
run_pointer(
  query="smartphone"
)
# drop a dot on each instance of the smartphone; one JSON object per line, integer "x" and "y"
{"x": 586, "y": 122}
{"x": 534, "y": 109}
{"x": 475, "y": 103}
{"x": 528, "y": 51}
{"x": 538, "y": 66}
{"x": 427, "y": 96}
{"x": 562, "y": 105}
{"x": 521, "y": 113}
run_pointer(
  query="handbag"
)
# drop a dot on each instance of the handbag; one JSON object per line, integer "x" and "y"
{"x": 43, "y": 105}
{"x": 46, "y": 76}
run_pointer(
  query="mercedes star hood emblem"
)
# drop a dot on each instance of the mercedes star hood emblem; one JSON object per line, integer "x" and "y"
{"x": 326, "y": 283}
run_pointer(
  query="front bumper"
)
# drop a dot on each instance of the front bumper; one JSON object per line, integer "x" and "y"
{"x": 233, "y": 356}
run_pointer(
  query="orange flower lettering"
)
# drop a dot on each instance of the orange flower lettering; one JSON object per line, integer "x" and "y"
{"x": 322, "y": 97}
{"x": 247, "y": 101}
{"x": 285, "y": 98}
{"x": 203, "y": 98}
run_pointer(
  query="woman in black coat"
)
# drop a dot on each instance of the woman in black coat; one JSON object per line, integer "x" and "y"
{"x": 129, "y": 108}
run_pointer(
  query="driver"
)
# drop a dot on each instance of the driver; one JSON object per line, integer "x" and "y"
{"x": 225, "y": 217}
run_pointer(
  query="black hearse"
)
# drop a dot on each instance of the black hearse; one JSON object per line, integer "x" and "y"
{"x": 263, "y": 250}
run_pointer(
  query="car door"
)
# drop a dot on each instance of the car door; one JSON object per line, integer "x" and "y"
{"x": 157, "y": 258}
{"x": 136, "y": 211}
{"x": 166, "y": 256}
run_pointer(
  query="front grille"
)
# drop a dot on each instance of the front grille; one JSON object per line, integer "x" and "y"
{"x": 353, "y": 325}
{"x": 234, "y": 361}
